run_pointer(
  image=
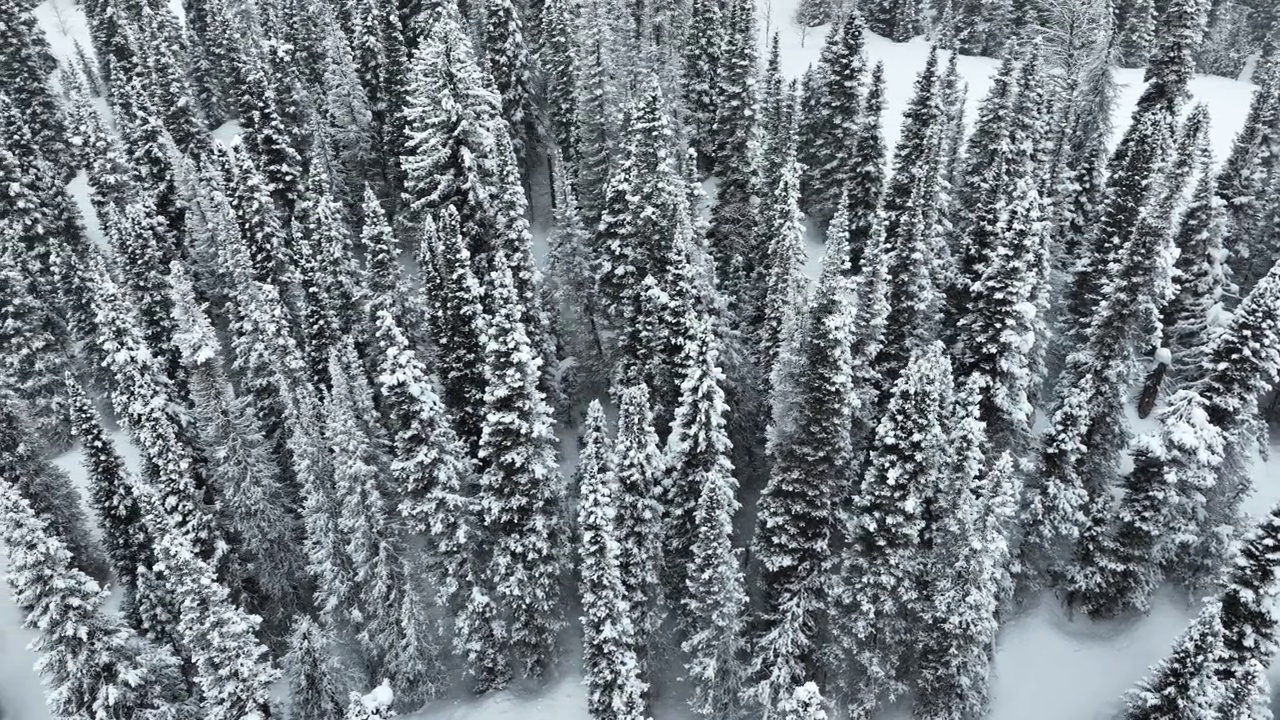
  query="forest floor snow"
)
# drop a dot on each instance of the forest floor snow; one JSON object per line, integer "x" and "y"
{"x": 1048, "y": 666}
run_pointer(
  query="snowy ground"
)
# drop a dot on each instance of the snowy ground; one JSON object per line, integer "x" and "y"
{"x": 1047, "y": 667}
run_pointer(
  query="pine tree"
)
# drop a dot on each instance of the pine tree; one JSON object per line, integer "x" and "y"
{"x": 91, "y": 661}
{"x": 733, "y": 236}
{"x": 593, "y": 142}
{"x": 269, "y": 120}
{"x": 898, "y": 20}
{"x": 456, "y": 320}
{"x": 703, "y": 56}
{"x": 558, "y": 59}
{"x": 24, "y": 74}
{"x": 813, "y": 461}
{"x": 509, "y": 65}
{"x": 890, "y": 530}
{"x": 611, "y": 669}
{"x": 635, "y": 468}
{"x": 1135, "y": 32}
{"x": 252, "y": 500}
{"x": 866, "y": 180}
{"x": 1248, "y": 627}
{"x": 909, "y": 203}
{"x": 519, "y": 490}
{"x": 805, "y": 703}
{"x": 413, "y": 658}
{"x": 843, "y": 62}
{"x": 125, "y": 537}
{"x": 316, "y": 680}
{"x": 1183, "y": 685}
{"x": 714, "y": 597}
{"x": 452, "y": 117}
{"x": 377, "y": 705}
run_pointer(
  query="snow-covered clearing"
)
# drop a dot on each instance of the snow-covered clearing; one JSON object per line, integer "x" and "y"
{"x": 1048, "y": 666}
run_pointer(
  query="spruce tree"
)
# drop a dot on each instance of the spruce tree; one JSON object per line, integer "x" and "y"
{"x": 909, "y": 203}
{"x": 456, "y": 320}
{"x": 636, "y": 468}
{"x": 372, "y": 540}
{"x": 714, "y": 597}
{"x": 1135, "y": 32}
{"x": 703, "y": 57}
{"x": 246, "y": 478}
{"x": 970, "y": 579}
{"x": 558, "y": 59}
{"x": 24, "y": 74}
{"x": 890, "y": 530}
{"x": 509, "y": 66}
{"x": 782, "y": 275}
{"x": 812, "y": 465}
{"x": 1172, "y": 61}
{"x": 1183, "y": 685}
{"x": 452, "y": 116}
{"x": 865, "y": 188}
{"x": 316, "y": 680}
{"x": 91, "y": 661}
{"x": 571, "y": 298}
{"x": 520, "y": 488}
{"x": 843, "y": 62}
{"x": 733, "y": 236}
{"x": 643, "y": 257}
{"x": 125, "y": 538}
{"x": 611, "y": 670}
{"x": 898, "y": 20}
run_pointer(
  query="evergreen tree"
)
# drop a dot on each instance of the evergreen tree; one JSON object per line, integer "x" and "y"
{"x": 558, "y": 59}
{"x": 269, "y": 119}
{"x": 509, "y": 65}
{"x": 1172, "y": 61}
{"x": 866, "y": 180}
{"x": 714, "y": 597}
{"x": 452, "y": 116}
{"x": 843, "y": 62}
{"x": 1000, "y": 326}
{"x": 24, "y": 75}
{"x": 898, "y": 20}
{"x": 1222, "y": 53}
{"x": 732, "y": 237}
{"x": 805, "y": 703}
{"x": 252, "y": 502}
{"x": 125, "y": 538}
{"x": 232, "y": 670}
{"x": 642, "y": 250}
{"x": 783, "y": 272}
{"x": 703, "y": 56}
{"x": 1135, "y": 31}
{"x": 456, "y": 320}
{"x": 519, "y": 490}
{"x": 315, "y": 677}
{"x": 611, "y": 669}
{"x": 890, "y": 528}
{"x": 813, "y": 461}
{"x": 595, "y": 118}
{"x": 635, "y": 468}
{"x": 92, "y": 663}
{"x": 970, "y": 581}
{"x": 571, "y": 299}
{"x": 1183, "y": 685}
{"x": 372, "y": 543}
{"x": 909, "y": 203}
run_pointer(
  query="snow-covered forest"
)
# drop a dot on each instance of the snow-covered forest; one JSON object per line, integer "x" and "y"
{"x": 639, "y": 359}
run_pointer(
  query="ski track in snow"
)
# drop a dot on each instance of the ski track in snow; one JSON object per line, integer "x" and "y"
{"x": 1048, "y": 666}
